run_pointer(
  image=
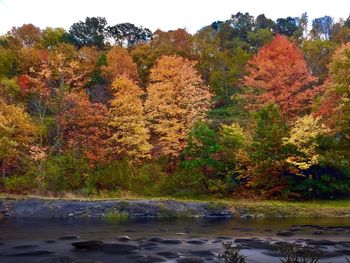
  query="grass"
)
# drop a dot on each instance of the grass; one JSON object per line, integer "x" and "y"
{"x": 261, "y": 208}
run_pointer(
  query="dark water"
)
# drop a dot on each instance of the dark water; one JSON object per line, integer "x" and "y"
{"x": 210, "y": 233}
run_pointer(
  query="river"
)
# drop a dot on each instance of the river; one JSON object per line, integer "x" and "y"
{"x": 167, "y": 240}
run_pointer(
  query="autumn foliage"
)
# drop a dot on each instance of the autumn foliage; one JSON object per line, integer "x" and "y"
{"x": 130, "y": 136}
{"x": 177, "y": 98}
{"x": 234, "y": 110}
{"x": 279, "y": 74}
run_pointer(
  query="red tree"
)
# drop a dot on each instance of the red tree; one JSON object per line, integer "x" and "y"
{"x": 84, "y": 127}
{"x": 278, "y": 73}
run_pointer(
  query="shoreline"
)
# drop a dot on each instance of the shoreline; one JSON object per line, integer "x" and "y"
{"x": 41, "y": 207}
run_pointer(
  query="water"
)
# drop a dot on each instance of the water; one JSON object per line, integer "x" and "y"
{"x": 210, "y": 233}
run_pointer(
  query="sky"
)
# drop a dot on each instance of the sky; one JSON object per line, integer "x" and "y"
{"x": 158, "y": 14}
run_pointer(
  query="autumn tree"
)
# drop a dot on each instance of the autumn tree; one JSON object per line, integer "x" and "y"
{"x": 318, "y": 54}
{"x": 27, "y": 34}
{"x": 177, "y": 98}
{"x": 119, "y": 63}
{"x": 84, "y": 127}
{"x": 130, "y": 137}
{"x": 337, "y": 86}
{"x": 279, "y": 74}
{"x": 303, "y": 140}
{"x": 17, "y": 134}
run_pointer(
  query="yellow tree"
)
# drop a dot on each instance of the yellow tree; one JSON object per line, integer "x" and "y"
{"x": 119, "y": 62}
{"x": 17, "y": 134}
{"x": 177, "y": 98}
{"x": 129, "y": 133}
{"x": 302, "y": 138}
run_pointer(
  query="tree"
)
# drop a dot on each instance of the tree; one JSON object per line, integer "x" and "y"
{"x": 303, "y": 140}
{"x": 129, "y": 35}
{"x": 287, "y": 26}
{"x": 322, "y": 28}
{"x": 128, "y": 126}
{"x": 340, "y": 67}
{"x": 279, "y": 74}
{"x": 201, "y": 148}
{"x": 17, "y": 134}
{"x": 28, "y": 35}
{"x": 267, "y": 152}
{"x": 318, "y": 54}
{"x": 119, "y": 63}
{"x": 337, "y": 86}
{"x": 242, "y": 24}
{"x": 262, "y": 22}
{"x": 177, "y": 98}
{"x": 51, "y": 37}
{"x": 8, "y": 62}
{"x": 83, "y": 128}
{"x": 92, "y": 32}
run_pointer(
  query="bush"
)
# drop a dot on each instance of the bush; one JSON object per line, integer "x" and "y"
{"x": 19, "y": 184}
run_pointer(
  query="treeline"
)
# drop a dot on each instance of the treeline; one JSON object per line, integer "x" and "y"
{"x": 247, "y": 107}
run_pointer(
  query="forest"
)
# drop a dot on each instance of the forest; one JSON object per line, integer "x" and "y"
{"x": 246, "y": 107}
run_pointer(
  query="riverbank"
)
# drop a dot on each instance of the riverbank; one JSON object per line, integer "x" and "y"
{"x": 41, "y": 207}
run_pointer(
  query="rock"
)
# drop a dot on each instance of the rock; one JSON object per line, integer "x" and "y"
{"x": 119, "y": 248}
{"x": 32, "y": 253}
{"x": 202, "y": 253}
{"x": 50, "y": 241}
{"x": 88, "y": 245}
{"x": 261, "y": 245}
{"x": 255, "y": 243}
{"x": 58, "y": 259}
{"x": 321, "y": 243}
{"x": 190, "y": 260}
{"x": 25, "y": 246}
{"x": 69, "y": 237}
{"x": 224, "y": 238}
{"x": 318, "y": 232}
{"x": 123, "y": 238}
{"x": 151, "y": 259}
{"x": 171, "y": 241}
{"x": 195, "y": 242}
{"x": 168, "y": 254}
{"x": 86, "y": 261}
{"x": 155, "y": 239}
{"x": 295, "y": 229}
{"x": 243, "y": 229}
{"x": 149, "y": 245}
{"x": 285, "y": 233}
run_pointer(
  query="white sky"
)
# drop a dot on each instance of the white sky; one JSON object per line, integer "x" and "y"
{"x": 154, "y": 14}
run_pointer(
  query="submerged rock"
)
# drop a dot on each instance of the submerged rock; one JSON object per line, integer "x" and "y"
{"x": 190, "y": 260}
{"x": 151, "y": 259}
{"x": 195, "y": 242}
{"x": 25, "y": 246}
{"x": 171, "y": 241}
{"x": 58, "y": 259}
{"x": 38, "y": 252}
{"x": 119, "y": 248}
{"x": 88, "y": 245}
{"x": 168, "y": 254}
